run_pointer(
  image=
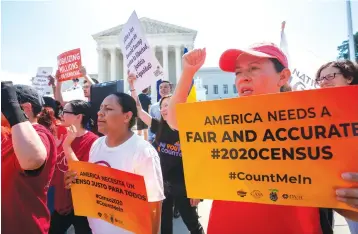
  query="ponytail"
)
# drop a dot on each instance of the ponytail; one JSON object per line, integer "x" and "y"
{"x": 285, "y": 88}
{"x": 47, "y": 119}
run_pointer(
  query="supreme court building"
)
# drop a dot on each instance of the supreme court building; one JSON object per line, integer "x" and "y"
{"x": 166, "y": 40}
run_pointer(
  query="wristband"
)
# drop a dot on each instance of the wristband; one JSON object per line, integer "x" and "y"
{"x": 132, "y": 90}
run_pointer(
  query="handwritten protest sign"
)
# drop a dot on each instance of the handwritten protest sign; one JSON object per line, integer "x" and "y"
{"x": 288, "y": 149}
{"x": 41, "y": 81}
{"x": 69, "y": 65}
{"x": 114, "y": 196}
{"x": 139, "y": 57}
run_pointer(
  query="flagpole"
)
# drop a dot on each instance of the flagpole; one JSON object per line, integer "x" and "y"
{"x": 350, "y": 32}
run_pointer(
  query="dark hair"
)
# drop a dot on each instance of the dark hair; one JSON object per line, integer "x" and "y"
{"x": 346, "y": 67}
{"x": 145, "y": 90}
{"x": 279, "y": 68}
{"x": 168, "y": 82}
{"x": 80, "y": 107}
{"x": 50, "y": 102}
{"x": 128, "y": 104}
{"x": 94, "y": 80}
{"x": 47, "y": 119}
{"x": 162, "y": 122}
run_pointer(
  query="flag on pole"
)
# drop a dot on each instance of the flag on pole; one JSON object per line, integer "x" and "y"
{"x": 284, "y": 45}
{"x": 283, "y": 42}
{"x": 158, "y": 94}
{"x": 192, "y": 91}
{"x": 302, "y": 63}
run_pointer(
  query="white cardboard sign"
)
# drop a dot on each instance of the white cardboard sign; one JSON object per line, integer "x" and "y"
{"x": 41, "y": 81}
{"x": 138, "y": 55}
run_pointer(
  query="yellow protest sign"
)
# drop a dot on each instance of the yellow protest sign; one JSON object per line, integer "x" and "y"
{"x": 115, "y": 196}
{"x": 289, "y": 148}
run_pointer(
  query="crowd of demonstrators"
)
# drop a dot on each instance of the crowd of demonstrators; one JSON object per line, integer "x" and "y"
{"x": 39, "y": 135}
{"x": 123, "y": 150}
{"x": 262, "y": 69}
{"x": 75, "y": 146}
{"x": 28, "y": 157}
{"x": 168, "y": 146}
{"x": 337, "y": 74}
{"x": 145, "y": 101}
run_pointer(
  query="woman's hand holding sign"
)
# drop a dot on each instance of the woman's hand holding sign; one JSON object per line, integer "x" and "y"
{"x": 70, "y": 177}
{"x": 131, "y": 79}
{"x": 349, "y": 195}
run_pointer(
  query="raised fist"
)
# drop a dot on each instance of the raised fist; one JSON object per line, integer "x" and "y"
{"x": 194, "y": 60}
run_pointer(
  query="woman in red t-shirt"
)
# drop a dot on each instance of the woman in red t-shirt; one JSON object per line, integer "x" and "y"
{"x": 76, "y": 146}
{"x": 28, "y": 157}
{"x": 260, "y": 69}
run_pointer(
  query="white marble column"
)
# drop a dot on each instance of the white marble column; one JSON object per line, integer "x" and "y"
{"x": 125, "y": 76}
{"x": 178, "y": 61}
{"x": 165, "y": 62}
{"x": 113, "y": 64}
{"x": 105, "y": 65}
{"x": 101, "y": 63}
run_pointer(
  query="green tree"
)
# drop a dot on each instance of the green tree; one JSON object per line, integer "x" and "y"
{"x": 343, "y": 49}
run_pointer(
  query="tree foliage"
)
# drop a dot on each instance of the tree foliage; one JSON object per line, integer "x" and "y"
{"x": 343, "y": 49}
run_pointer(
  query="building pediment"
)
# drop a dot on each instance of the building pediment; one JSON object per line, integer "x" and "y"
{"x": 150, "y": 26}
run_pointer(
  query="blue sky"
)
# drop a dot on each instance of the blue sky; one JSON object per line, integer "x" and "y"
{"x": 33, "y": 33}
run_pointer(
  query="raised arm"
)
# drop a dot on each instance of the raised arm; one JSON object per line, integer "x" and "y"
{"x": 192, "y": 62}
{"x": 29, "y": 149}
{"x": 144, "y": 116}
{"x": 58, "y": 88}
{"x": 86, "y": 77}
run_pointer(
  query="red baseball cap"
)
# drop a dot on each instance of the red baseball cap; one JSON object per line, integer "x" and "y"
{"x": 264, "y": 50}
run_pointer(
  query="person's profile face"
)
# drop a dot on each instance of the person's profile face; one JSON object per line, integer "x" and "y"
{"x": 255, "y": 76}
{"x": 332, "y": 77}
{"x": 86, "y": 90}
{"x": 68, "y": 116}
{"x": 164, "y": 89}
{"x": 111, "y": 117}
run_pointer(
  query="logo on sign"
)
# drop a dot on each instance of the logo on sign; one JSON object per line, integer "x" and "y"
{"x": 273, "y": 194}
{"x": 158, "y": 72}
{"x": 292, "y": 197}
{"x": 241, "y": 193}
{"x": 256, "y": 194}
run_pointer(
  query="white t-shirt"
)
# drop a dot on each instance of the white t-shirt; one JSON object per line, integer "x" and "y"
{"x": 135, "y": 156}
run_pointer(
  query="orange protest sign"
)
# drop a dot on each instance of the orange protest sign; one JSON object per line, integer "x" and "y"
{"x": 115, "y": 196}
{"x": 287, "y": 149}
{"x": 69, "y": 65}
